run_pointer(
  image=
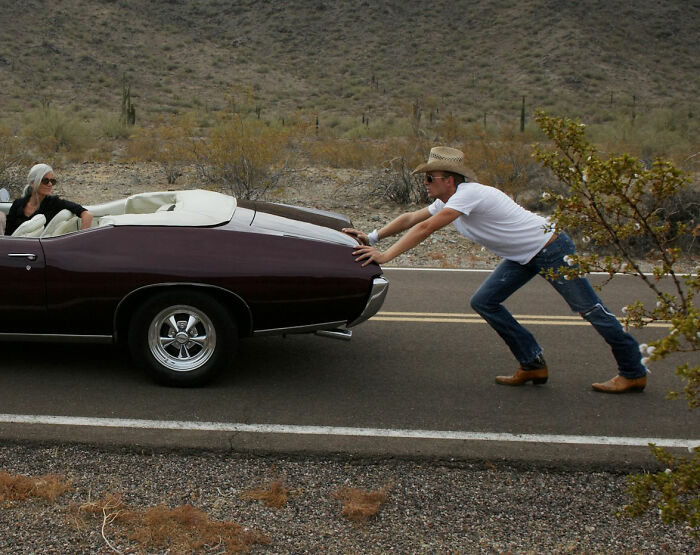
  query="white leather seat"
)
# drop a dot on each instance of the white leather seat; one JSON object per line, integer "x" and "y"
{"x": 68, "y": 226}
{"x": 31, "y": 228}
{"x": 56, "y": 221}
{"x": 148, "y": 203}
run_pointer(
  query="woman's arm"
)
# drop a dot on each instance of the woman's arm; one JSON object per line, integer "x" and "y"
{"x": 85, "y": 219}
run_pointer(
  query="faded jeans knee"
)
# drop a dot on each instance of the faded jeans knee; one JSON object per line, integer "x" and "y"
{"x": 481, "y": 304}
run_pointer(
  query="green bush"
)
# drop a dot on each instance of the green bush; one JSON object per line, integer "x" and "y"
{"x": 114, "y": 128}
{"x": 51, "y": 130}
{"x": 608, "y": 200}
{"x": 247, "y": 157}
{"x": 11, "y": 158}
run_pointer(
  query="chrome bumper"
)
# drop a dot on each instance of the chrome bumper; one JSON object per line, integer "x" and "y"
{"x": 380, "y": 287}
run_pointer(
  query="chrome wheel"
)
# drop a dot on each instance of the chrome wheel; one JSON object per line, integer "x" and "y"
{"x": 181, "y": 338}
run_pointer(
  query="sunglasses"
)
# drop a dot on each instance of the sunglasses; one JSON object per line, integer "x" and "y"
{"x": 46, "y": 181}
{"x": 431, "y": 178}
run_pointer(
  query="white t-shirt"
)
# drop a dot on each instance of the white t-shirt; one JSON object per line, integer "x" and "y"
{"x": 492, "y": 219}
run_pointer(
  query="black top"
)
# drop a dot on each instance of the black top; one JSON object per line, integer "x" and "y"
{"x": 49, "y": 207}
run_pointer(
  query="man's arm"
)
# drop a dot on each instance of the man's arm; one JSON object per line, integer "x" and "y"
{"x": 417, "y": 234}
{"x": 396, "y": 226}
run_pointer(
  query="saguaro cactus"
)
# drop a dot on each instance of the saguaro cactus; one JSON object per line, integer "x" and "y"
{"x": 128, "y": 116}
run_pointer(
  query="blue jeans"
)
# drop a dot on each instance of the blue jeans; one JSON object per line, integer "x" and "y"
{"x": 510, "y": 276}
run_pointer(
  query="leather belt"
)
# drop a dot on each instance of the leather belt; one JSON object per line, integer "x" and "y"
{"x": 551, "y": 240}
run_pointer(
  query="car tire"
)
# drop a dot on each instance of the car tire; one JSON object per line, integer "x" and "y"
{"x": 183, "y": 338}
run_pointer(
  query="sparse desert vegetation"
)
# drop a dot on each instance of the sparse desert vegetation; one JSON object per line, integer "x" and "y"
{"x": 348, "y": 79}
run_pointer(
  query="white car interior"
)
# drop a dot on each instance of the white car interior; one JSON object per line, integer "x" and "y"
{"x": 196, "y": 207}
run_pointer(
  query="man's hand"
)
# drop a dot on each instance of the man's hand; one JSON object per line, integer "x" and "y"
{"x": 357, "y": 234}
{"x": 369, "y": 255}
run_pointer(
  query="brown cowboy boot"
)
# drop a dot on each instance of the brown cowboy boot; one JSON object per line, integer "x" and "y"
{"x": 620, "y": 384}
{"x": 535, "y": 371}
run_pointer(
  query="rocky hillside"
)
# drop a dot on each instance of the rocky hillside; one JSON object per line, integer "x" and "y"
{"x": 471, "y": 58}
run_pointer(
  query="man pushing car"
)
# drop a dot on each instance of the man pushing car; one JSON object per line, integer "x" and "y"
{"x": 528, "y": 247}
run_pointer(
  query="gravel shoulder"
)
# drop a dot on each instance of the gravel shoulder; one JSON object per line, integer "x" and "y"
{"x": 431, "y": 506}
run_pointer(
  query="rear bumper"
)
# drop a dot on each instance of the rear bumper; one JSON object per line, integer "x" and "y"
{"x": 380, "y": 287}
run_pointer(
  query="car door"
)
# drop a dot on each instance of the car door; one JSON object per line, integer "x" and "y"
{"x": 22, "y": 286}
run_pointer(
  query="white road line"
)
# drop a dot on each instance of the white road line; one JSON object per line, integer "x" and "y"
{"x": 343, "y": 431}
{"x": 486, "y": 270}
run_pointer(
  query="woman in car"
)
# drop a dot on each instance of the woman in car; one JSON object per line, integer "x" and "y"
{"x": 37, "y": 199}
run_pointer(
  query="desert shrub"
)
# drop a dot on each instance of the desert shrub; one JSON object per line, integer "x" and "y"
{"x": 397, "y": 184}
{"x": 502, "y": 159}
{"x": 142, "y": 145}
{"x": 168, "y": 142}
{"x": 114, "y": 128}
{"x": 609, "y": 201}
{"x": 395, "y": 181}
{"x": 682, "y": 216}
{"x": 669, "y": 132}
{"x": 51, "y": 130}
{"x": 673, "y": 493}
{"x": 247, "y": 157}
{"x": 450, "y": 130}
{"x": 345, "y": 153}
{"x": 11, "y": 157}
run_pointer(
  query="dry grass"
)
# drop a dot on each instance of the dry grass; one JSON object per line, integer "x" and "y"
{"x": 180, "y": 529}
{"x": 20, "y": 488}
{"x": 361, "y": 505}
{"x": 344, "y": 153}
{"x": 274, "y": 495}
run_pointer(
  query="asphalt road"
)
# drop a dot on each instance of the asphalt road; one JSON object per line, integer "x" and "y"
{"x": 416, "y": 380}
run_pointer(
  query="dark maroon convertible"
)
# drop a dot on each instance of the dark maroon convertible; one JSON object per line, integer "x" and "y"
{"x": 181, "y": 276}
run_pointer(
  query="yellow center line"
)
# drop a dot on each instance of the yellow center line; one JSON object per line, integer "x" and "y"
{"x": 465, "y": 318}
{"x": 471, "y": 315}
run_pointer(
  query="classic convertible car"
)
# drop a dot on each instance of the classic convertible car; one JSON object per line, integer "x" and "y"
{"x": 180, "y": 276}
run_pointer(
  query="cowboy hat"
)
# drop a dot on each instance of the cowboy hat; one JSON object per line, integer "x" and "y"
{"x": 444, "y": 158}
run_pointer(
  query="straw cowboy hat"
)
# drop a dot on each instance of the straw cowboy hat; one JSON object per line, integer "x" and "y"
{"x": 446, "y": 159}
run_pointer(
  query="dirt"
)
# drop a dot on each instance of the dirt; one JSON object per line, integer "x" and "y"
{"x": 346, "y": 191}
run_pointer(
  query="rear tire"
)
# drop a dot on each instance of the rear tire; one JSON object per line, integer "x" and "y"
{"x": 183, "y": 338}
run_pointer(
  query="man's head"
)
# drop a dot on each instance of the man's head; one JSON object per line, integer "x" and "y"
{"x": 444, "y": 160}
{"x": 442, "y": 184}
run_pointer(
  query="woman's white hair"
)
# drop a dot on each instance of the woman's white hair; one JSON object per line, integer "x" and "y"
{"x": 37, "y": 172}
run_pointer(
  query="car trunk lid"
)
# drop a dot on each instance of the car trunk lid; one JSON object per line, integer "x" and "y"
{"x": 296, "y": 221}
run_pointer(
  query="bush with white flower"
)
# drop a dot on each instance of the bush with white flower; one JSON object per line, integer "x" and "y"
{"x": 611, "y": 202}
